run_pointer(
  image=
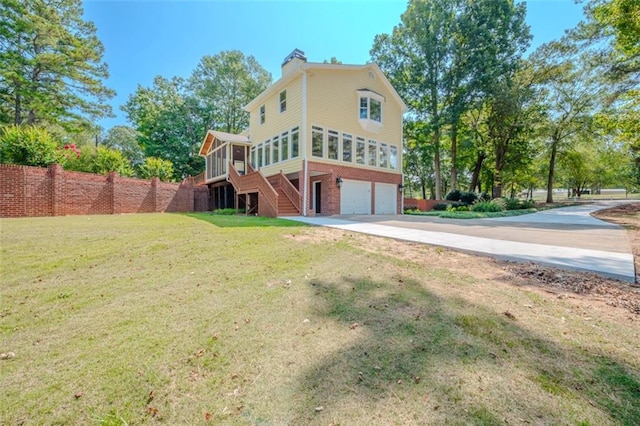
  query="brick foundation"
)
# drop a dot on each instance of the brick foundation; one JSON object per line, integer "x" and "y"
{"x": 330, "y": 193}
{"x": 33, "y": 191}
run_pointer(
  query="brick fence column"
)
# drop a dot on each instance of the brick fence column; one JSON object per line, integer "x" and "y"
{"x": 112, "y": 181}
{"x": 154, "y": 192}
{"x": 57, "y": 190}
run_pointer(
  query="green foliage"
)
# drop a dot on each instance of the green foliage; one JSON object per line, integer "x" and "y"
{"x": 227, "y": 212}
{"x": 50, "y": 65}
{"x": 440, "y": 206}
{"x": 223, "y": 84}
{"x": 125, "y": 140}
{"x": 454, "y": 195}
{"x": 517, "y": 204}
{"x": 170, "y": 124}
{"x": 457, "y": 207}
{"x": 444, "y": 57}
{"x": 29, "y": 146}
{"x": 101, "y": 160}
{"x": 486, "y": 206}
{"x": 111, "y": 160}
{"x": 156, "y": 167}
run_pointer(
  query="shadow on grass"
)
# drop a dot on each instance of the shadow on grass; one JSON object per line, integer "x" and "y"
{"x": 243, "y": 221}
{"x": 412, "y": 344}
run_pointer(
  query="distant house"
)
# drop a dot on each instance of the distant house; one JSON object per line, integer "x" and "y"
{"x": 324, "y": 139}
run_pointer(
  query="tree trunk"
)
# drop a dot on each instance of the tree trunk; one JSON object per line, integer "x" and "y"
{"x": 497, "y": 184}
{"x": 454, "y": 151}
{"x": 18, "y": 107}
{"x": 423, "y": 184}
{"x": 475, "y": 178}
{"x": 436, "y": 163}
{"x": 552, "y": 165}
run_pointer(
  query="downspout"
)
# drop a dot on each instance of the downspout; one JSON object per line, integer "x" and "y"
{"x": 303, "y": 136}
{"x": 400, "y": 151}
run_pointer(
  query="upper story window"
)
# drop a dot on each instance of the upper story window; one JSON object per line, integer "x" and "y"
{"x": 283, "y": 101}
{"x": 370, "y": 110}
{"x": 262, "y": 114}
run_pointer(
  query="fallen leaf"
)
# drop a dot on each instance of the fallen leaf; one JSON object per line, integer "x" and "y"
{"x": 78, "y": 394}
{"x": 7, "y": 355}
{"x": 152, "y": 410}
{"x": 320, "y": 408}
{"x": 509, "y": 315}
{"x": 152, "y": 395}
{"x": 207, "y": 416}
{"x": 354, "y": 326}
{"x": 200, "y": 353}
{"x": 399, "y": 381}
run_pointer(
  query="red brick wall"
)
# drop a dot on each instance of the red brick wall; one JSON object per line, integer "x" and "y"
{"x": 32, "y": 191}
{"x": 330, "y": 196}
{"x": 422, "y": 205}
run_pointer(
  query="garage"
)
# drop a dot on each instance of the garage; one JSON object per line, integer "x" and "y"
{"x": 386, "y": 198}
{"x": 355, "y": 197}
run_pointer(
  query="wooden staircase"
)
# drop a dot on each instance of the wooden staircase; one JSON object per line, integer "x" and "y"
{"x": 285, "y": 206}
{"x": 280, "y": 199}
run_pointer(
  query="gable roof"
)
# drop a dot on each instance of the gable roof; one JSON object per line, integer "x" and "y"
{"x": 222, "y": 137}
{"x": 310, "y": 66}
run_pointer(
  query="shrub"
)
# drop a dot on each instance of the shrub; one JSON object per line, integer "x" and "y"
{"x": 227, "y": 212}
{"x": 516, "y": 204}
{"x": 486, "y": 206}
{"x": 468, "y": 197}
{"x": 156, "y": 167}
{"x": 29, "y": 146}
{"x": 440, "y": 207}
{"x": 455, "y": 195}
{"x": 484, "y": 197}
{"x": 458, "y": 207}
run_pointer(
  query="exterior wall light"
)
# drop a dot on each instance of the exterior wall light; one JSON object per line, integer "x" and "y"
{"x": 400, "y": 187}
{"x": 339, "y": 181}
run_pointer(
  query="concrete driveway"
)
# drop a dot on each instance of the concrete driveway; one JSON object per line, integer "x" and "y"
{"x": 566, "y": 237}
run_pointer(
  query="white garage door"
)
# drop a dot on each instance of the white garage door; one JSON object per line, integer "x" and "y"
{"x": 355, "y": 197}
{"x": 386, "y": 198}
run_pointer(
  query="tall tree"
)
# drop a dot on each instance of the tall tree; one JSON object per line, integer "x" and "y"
{"x": 51, "y": 69}
{"x": 170, "y": 124}
{"x": 223, "y": 84}
{"x": 445, "y": 54}
{"x": 572, "y": 90}
{"x": 125, "y": 140}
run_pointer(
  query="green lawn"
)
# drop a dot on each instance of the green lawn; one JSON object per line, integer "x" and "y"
{"x": 192, "y": 319}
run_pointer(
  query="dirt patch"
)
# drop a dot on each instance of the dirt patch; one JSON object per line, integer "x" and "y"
{"x": 591, "y": 288}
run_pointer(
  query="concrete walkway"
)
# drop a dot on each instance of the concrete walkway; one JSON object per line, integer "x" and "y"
{"x": 566, "y": 237}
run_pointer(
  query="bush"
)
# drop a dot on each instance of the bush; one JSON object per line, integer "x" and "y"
{"x": 156, "y": 167}
{"x": 457, "y": 207}
{"x": 484, "y": 197}
{"x": 455, "y": 195}
{"x": 486, "y": 206}
{"x": 516, "y": 204}
{"x": 29, "y": 146}
{"x": 440, "y": 207}
{"x": 468, "y": 197}
{"x": 227, "y": 212}
{"x": 462, "y": 196}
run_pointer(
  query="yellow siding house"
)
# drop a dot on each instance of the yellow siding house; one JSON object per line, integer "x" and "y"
{"x": 325, "y": 139}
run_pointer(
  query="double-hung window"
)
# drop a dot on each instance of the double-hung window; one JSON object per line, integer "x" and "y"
{"x": 332, "y": 145}
{"x": 347, "y": 147}
{"x": 373, "y": 151}
{"x": 295, "y": 142}
{"x": 360, "y": 150}
{"x": 370, "y": 110}
{"x": 283, "y": 101}
{"x": 317, "y": 141}
{"x": 285, "y": 146}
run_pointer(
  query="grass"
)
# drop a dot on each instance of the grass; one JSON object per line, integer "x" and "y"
{"x": 181, "y": 319}
{"x": 472, "y": 215}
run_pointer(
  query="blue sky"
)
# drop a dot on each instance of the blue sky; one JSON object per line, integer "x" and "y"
{"x": 144, "y": 38}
